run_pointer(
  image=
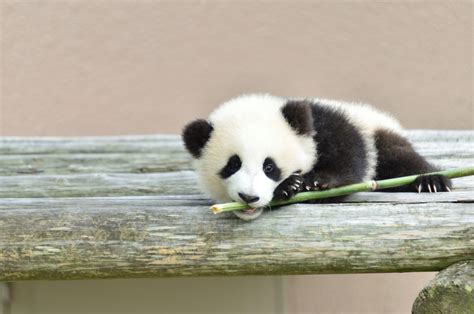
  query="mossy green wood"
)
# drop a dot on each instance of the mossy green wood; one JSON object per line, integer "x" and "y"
{"x": 450, "y": 292}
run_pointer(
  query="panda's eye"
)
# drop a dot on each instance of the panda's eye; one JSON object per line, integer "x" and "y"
{"x": 233, "y": 165}
{"x": 271, "y": 170}
{"x": 268, "y": 168}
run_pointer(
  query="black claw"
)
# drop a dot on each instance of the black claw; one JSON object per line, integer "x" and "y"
{"x": 315, "y": 185}
{"x": 289, "y": 187}
{"x": 432, "y": 184}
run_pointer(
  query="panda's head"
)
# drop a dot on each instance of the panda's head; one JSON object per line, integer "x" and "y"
{"x": 248, "y": 146}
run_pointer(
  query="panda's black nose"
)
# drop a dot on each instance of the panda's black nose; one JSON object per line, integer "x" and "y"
{"x": 248, "y": 198}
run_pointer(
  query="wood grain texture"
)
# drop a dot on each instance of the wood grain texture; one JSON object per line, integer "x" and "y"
{"x": 164, "y": 153}
{"x": 151, "y": 165}
{"x": 99, "y": 184}
{"x": 451, "y": 291}
{"x": 74, "y": 208}
{"x": 66, "y": 238}
{"x": 110, "y": 184}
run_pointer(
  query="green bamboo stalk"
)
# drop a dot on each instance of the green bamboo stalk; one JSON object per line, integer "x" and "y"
{"x": 348, "y": 189}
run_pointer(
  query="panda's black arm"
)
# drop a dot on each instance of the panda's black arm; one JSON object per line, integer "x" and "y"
{"x": 341, "y": 150}
{"x": 397, "y": 158}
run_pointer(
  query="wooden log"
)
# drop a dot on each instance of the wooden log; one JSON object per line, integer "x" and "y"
{"x": 109, "y": 184}
{"x": 14, "y": 165}
{"x": 168, "y": 230}
{"x": 30, "y": 164}
{"x": 99, "y": 184}
{"x": 451, "y": 291}
{"x": 16, "y": 145}
{"x": 440, "y": 135}
{"x": 151, "y": 165}
{"x": 124, "y": 154}
{"x": 72, "y": 238}
{"x": 154, "y": 143}
{"x": 155, "y": 153}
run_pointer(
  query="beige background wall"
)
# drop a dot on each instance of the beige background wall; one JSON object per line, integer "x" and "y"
{"x": 115, "y": 67}
{"x": 122, "y": 67}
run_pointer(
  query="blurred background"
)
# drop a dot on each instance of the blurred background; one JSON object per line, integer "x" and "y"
{"x": 71, "y": 68}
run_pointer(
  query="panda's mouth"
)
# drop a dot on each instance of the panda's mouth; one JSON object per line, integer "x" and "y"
{"x": 249, "y": 214}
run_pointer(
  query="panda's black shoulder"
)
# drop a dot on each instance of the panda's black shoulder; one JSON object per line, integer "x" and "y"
{"x": 327, "y": 119}
{"x": 339, "y": 142}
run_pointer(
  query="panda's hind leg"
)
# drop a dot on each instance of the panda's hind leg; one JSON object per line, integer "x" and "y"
{"x": 397, "y": 158}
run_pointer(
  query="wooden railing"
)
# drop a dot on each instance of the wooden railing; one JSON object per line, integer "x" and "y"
{"x": 122, "y": 207}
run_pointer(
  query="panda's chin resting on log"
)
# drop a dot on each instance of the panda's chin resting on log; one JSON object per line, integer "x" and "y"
{"x": 249, "y": 214}
{"x": 257, "y": 148}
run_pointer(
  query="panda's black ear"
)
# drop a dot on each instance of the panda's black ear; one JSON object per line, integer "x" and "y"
{"x": 299, "y": 116}
{"x": 195, "y": 136}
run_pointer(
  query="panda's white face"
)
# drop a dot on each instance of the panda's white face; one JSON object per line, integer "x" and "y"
{"x": 250, "y": 180}
{"x": 250, "y": 151}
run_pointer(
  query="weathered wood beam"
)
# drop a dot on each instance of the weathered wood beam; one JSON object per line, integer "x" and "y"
{"x": 30, "y": 164}
{"x": 171, "y": 232}
{"x": 67, "y": 238}
{"x": 150, "y": 165}
{"x": 110, "y": 184}
{"x": 124, "y": 154}
{"x": 14, "y": 165}
{"x": 149, "y": 143}
{"x": 16, "y": 145}
{"x": 159, "y": 153}
{"x": 451, "y": 291}
{"x": 99, "y": 184}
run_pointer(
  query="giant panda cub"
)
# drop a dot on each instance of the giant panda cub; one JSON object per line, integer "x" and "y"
{"x": 258, "y": 148}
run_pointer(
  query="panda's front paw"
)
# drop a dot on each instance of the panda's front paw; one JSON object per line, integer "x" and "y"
{"x": 312, "y": 183}
{"x": 432, "y": 183}
{"x": 289, "y": 187}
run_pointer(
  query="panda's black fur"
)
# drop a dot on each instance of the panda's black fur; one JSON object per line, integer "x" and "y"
{"x": 343, "y": 155}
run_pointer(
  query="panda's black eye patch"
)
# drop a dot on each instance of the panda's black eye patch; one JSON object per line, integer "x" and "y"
{"x": 233, "y": 165}
{"x": 271, "y": 170}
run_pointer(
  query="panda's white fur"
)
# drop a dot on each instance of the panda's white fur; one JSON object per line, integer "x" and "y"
{"x": 253, "y": 127}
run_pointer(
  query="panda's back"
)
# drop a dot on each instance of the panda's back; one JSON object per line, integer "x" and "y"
{"x": 345, "y": 134}
{"x": 366, "y": 118}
